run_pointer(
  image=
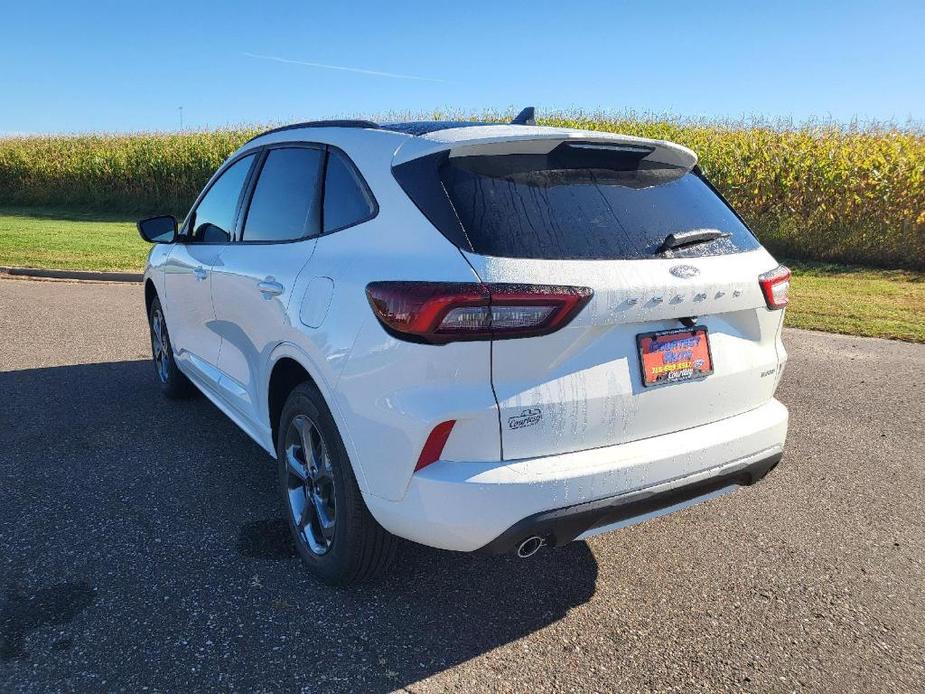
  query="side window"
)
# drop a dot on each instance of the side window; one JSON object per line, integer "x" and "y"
{"x": 346, "y": 199}
{"x": 285, "y": 204}
{"x": 213, "y": 219}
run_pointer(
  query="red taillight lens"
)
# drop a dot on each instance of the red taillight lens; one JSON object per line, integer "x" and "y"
{"x": 441, "y": 312}
{"x": 776, "y": 287}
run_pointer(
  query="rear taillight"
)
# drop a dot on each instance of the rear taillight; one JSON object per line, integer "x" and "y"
{"x": 441, "y": 312}
{"x": 776, "y": 287}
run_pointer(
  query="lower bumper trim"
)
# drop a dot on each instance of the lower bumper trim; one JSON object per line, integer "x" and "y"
{"x": 561, "y": 526}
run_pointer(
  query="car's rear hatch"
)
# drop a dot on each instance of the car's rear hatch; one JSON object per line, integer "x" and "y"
{"x": 597, "y": 213}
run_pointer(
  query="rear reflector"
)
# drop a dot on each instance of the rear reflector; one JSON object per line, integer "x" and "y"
{"x": 776, "y": 287}
{"x": 433, "y": 447}
{"x": 441, "y": 312}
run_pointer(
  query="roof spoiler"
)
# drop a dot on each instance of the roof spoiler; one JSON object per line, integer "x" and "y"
{"x": 509, "y": 140}
{"x": 525, "y": 117}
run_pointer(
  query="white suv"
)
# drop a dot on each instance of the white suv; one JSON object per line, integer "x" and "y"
{"x": 475, "y": 336}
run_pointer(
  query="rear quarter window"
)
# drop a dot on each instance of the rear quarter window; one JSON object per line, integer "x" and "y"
{"x": 347, "y": 201}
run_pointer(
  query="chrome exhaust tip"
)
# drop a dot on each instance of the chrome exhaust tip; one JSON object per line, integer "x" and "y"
{"x": 530, "y": 546}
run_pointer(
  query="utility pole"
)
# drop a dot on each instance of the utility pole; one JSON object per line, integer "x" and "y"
{"x": 180, "y": 109}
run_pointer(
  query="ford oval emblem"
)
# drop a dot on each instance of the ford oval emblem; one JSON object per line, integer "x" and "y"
{"x": 684, "y": 271}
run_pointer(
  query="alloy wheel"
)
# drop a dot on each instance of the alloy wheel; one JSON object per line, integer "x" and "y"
{"x": 310, "y": 484}
{"x": 160, "y": 345}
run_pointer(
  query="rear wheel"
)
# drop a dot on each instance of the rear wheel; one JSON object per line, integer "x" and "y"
{"x": 334, "y": 533}
{"x": 173, "y": 383}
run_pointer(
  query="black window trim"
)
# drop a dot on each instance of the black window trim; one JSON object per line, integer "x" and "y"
{"x": 183, "y": 236}
{"x": 251, "y": 184}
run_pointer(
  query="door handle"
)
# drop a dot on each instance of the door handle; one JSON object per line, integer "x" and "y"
{"x": 270, "y": 288}
{"x": 201, "y": 273}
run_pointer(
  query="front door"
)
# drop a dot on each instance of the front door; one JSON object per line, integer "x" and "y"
{"x": 188, "y": 272}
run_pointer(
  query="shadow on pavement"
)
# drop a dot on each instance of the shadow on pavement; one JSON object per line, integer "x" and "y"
{"x": 145, "y": 547}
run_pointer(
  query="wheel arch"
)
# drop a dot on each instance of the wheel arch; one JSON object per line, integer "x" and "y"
{"x": 289, "y": 367}
{"x": 150, "y": 295}
{"x": 286, "y": 374}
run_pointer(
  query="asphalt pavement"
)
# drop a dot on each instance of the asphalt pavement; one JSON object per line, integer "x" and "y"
{"x": 143, "y": 547}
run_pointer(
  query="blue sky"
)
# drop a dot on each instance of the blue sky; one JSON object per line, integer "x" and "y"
{"x": 123, "y": 66}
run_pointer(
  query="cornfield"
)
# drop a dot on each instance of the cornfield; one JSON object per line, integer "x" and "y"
{"x": 816, "y": 191}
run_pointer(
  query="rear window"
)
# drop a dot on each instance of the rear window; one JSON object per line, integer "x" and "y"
{"x": 585, "y": 201}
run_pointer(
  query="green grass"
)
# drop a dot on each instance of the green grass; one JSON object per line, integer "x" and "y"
{"x": 46, "y": 238}
{"x": 836, "y": 298}
{"x": 858, "y": 301}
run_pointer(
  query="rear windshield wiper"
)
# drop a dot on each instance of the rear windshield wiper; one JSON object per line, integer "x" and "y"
{"x": 689, "y": 238}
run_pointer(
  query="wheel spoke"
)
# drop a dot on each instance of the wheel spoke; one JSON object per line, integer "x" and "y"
{"x": 325, "y": 521}
{"x": 295, "y": 466}
{"x": 319, "y": 455}
{"x": 325, "y": 467}
{"x": 310, "y": 443}
{"x": 306, "y": 516}
{"x": 312, "y": 448}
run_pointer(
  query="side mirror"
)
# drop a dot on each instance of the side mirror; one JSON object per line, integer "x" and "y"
{"x": 161, "y": 229}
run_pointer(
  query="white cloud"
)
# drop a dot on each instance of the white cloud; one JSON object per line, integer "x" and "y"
{"x": 362, "y": 71}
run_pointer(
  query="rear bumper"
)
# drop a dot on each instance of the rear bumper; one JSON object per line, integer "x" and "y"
{"x": 563, "y": 525}
{"x": 494, "y": 506}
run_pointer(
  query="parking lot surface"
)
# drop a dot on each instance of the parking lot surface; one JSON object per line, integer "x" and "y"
{"x": 143, "y": 546}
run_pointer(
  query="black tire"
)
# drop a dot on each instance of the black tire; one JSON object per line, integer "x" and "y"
{"x": 351, "y": 547}
{"x": 172, "y": 381}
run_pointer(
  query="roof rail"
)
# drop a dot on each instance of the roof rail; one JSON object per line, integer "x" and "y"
{"x": 319, "y": 124}
{"x": 525, "y": 117}
{"x": 418, "y": 128}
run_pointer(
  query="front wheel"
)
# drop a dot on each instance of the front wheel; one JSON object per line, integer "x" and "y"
{"x": 335, "y": 535}
{"x": 173, "y": 383}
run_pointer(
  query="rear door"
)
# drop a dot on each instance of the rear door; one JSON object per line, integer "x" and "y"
{"x": 253, "y": 283}
{"x": 602, "y": 217}
{"x": 300, "y": 193}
